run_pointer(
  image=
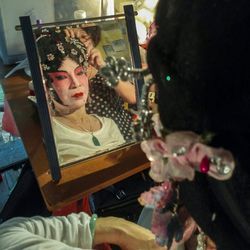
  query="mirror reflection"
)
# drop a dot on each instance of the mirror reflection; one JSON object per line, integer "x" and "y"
{"x": 88, "y": 117}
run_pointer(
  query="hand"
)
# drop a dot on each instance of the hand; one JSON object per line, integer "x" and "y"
{"x": 81, "y": 34}
{"x": 125, "y": 234}
{"x": 136, "y": 237}
{"x": 95, "y": 57}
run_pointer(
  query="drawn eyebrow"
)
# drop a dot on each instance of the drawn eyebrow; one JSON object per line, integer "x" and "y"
{"x": 62, "y": 71}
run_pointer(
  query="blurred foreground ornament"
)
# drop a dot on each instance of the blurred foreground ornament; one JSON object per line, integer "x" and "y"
{"x": 117, "y": 70}
{"x": 201, "y": 241}
{"x": 165, "y": 223}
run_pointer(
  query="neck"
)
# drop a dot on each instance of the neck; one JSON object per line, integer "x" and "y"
{"x": 77, "y": 115}
{"x": 80, "y": 120}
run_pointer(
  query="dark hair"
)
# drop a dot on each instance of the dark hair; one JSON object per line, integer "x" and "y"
{"x": 200, "y": 61}
{"x": 94, "y": 32}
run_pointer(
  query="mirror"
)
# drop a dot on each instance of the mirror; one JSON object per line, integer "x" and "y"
{"x": 82, "y": 117}
{"x": 87, "y": 116}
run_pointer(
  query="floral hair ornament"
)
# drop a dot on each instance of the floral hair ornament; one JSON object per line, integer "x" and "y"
{"x": 180, "y": 154}
{"x": 119, "y": 69}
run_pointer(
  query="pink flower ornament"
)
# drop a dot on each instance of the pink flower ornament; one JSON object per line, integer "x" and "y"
{"x": 180, "y": 154}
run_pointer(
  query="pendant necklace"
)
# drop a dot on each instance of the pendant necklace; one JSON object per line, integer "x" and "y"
{"x": 95, "y": 140}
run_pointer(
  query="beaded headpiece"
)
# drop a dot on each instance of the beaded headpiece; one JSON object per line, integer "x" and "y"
{"x": 185, "y": 150}
{"x": 54, "y": 46}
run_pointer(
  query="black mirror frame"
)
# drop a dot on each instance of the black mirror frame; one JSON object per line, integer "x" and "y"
{"x": 33, "y": 58}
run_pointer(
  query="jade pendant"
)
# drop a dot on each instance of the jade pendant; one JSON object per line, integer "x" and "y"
{"x": 95, "y": 141}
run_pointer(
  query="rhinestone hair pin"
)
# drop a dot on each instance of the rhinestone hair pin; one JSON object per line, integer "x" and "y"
{"x": 119, "y": 69}
{"x": 178, "y": 154}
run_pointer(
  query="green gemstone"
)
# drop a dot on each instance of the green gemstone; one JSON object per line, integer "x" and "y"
{"x": 95, "y": 141}
{"x": 168, "y": 78}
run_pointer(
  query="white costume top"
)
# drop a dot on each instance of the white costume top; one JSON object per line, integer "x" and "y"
{"x": 79, "y": 144}
{"x": 60, "y": 233}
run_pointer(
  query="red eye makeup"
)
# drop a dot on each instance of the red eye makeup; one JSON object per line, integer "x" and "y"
{"x": 59, "y": 76}
{"x": 80, "y": 71}
{"x": 63, "y": 75}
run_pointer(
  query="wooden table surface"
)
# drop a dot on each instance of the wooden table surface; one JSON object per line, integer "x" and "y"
{"x": 80, "y": 178}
